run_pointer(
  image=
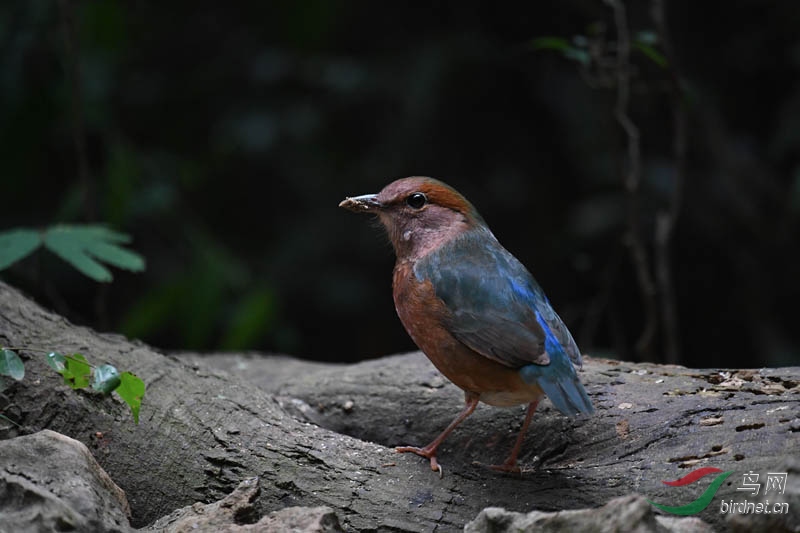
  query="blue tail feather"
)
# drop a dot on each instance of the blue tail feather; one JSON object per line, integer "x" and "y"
{"x": 560, "y": 383}
{"x": 567, "y": 395}
{"x": 558, "y": 380}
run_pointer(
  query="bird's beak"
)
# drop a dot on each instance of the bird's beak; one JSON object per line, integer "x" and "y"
{"x": 367, "y": 203}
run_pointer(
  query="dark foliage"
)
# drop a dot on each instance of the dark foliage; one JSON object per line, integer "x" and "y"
{"x": 223, "y": 135}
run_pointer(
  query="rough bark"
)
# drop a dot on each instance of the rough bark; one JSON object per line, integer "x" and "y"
{"x": 322, "y": 435}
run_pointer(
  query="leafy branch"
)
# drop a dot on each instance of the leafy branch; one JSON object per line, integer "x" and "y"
{"x": 632, "y": 183}
{"x": 597, "y": 57}
{"x": 78, "y": 373}
{"x": 85, "y": 247}
{"x": 607, "y": 63}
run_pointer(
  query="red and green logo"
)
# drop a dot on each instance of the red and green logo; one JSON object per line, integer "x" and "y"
{"x": 702, "y": 502}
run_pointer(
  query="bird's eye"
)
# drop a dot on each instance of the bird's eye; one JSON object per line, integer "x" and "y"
{"x": 417, "y": 200}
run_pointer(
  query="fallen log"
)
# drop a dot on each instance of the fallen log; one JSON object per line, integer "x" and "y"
{"x": 323, "y": 434}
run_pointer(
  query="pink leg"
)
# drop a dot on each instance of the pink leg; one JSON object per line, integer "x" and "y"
{"x": 510, "y": 464}
{"x": 429, "y": 451}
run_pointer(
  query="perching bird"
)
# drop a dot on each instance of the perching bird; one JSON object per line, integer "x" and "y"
{"x": 472, "y": 307}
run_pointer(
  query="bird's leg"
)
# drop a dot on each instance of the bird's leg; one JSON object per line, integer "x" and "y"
{"x": 510, "y": 464}
{"x": 429, "y": 451}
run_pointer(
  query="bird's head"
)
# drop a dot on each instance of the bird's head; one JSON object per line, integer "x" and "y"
{"x": 419, "y": 214}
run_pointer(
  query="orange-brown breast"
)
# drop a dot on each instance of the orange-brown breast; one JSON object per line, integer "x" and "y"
{"x": 424, "y": 317}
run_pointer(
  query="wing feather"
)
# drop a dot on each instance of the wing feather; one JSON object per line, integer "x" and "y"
{"x": 496, "y": 307}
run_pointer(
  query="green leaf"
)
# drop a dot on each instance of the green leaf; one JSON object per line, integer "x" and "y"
{"x": 646, "y": 37}
{"x": 114, "y": 255}
{"x": 69, "y": 248}
{"x": 77, "y": 371}
{"x": 654, "y": 55}
{"x": 577, "y": 54}
{"x": 11, "y": 365}
{"x": 131, "y": 390}
{"x": 550, "y": 43}
{"x": 101, "y": 233}
{"x": 106, "y": 379}
{"x": 56, "y": 361}
{"x": 85, "y": 246}
{"x": 580, "y": 41}
{"x": 17, "y": 244}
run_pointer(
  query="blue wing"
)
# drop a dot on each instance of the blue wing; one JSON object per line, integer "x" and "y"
{"x": 558, "y": 379}
{"x": 498, "y": 310}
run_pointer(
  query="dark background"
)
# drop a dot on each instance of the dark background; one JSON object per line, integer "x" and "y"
{"x": 222, "y": 135}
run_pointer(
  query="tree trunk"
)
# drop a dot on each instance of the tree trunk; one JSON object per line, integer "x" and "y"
{"x": 322, "y": 434}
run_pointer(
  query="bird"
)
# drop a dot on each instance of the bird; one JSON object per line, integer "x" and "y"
{"x": 472, "y": 308}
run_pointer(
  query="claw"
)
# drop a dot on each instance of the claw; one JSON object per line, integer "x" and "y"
{"x": 426, "y": 452}
{"x": 429, "y": 451}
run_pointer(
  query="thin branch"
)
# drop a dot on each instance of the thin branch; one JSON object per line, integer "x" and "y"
{"x": 666, "y": 218}
{"x": 600, "y": 303}
{"x": 633, "y": 238}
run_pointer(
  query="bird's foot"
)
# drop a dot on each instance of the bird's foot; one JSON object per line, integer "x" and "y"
{"x": 427, "y": 452}
{"x": 508, "y": 466}
{"x": 512, "y": 468}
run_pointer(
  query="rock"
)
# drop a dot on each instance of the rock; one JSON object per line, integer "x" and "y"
{"x": 234, "y": 514}
{"x": 299, "y": 520}
{"x": 50, "y": 482}
{"x": 629, "y": 513}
